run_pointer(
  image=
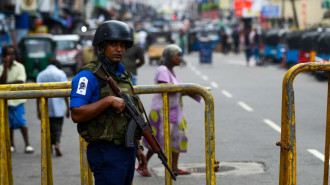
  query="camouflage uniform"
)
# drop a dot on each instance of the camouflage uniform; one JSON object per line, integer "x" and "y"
{"x": 110, "y": 161}
{"x": 109, "y": 126}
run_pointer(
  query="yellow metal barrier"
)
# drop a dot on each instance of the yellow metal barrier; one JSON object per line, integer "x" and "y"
{"x": 211, "y": 164}
{"x": 62, "y": 89}
{"x": 19, "y": 91}
{"x": 5, "y": 166}
{"x": 288, "y": 123}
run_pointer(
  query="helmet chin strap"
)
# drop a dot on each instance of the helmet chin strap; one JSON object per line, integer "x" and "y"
{"x": 107, "y": 61}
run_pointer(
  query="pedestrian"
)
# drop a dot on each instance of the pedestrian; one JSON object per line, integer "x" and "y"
{"x": 235, "y": 37}
{"x": 255, "y": 43}
{"x": 247, "y": 45}
{"x": 57, "y": 107}
{"x": 142, "y": 39}
{"x": 13, "y": 72}
{"x": 133, "y": 59}
{"x": 191, "y": 40}
{"x": 99, "y": 112}
{"x": 171, "y": 58}
{"x": 224, "y": 41}
{"x": 182, "y": 42}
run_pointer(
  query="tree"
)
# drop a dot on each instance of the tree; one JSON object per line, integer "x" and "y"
{"x": 295, "y": 14}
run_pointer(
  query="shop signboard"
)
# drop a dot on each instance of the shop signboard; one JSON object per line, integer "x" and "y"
{"x": 224, "y": 4}
{"x": 239, "y": 5}
{"x": 250, "y": 13}
{"x": 272, "y": 11}
{"x": 29, "y": 5}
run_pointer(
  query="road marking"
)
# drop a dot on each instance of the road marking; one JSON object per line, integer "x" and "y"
{"x": 205, "y": 77}
{"x": 227, "y": 94}
{"x": 317, "y": 154}
{"x": 215, "y": 85}
{"x": 273, "y": 125}
{"x": 245, "y": 106}
{"x": 270, "y": 123}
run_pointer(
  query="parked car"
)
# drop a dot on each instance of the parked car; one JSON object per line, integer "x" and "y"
{"x": 68, "y": 51}
{"x": 36, "y": 52}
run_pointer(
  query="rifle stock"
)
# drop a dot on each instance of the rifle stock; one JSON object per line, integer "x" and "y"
{"x": 138, "y": 121}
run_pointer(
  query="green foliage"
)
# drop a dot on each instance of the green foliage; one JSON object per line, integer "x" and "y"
{"x": 209, "y": 6}
{"x": 214, "y": 6}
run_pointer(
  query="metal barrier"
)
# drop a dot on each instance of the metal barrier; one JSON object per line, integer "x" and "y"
{"x": 62, "y": 89}
{"x": 288, "y": 123}
{"x": 28, "y": 91}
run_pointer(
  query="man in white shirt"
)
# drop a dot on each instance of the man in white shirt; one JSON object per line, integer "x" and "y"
{"x": 58, "y": 107}
{"x": 13, "y": 72}
{"x": 142, "y": 38}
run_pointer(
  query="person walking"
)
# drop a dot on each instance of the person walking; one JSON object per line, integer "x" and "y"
{"x": 133, "y": 59}
{"x": 13, "y": 72}
{"x": 182, "y": 42}
{"x": 57, "y": 107}
{"x": 171, "y": 57}
{"x": 247, "y": 45}
{"x": 142, "y": 39}
{"x": 255, "y": 43}
{"x": 235, "y": 37}
{"x": 224, "y": 41}
{"x": 99, "y": 112}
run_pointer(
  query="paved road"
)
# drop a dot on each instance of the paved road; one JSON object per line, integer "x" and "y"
{"x": 247, "y": 125}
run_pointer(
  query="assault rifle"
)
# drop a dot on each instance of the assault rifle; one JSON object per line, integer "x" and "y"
{"x": 138, "y": 121}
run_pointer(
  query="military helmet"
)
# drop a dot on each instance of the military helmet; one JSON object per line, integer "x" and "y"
{"x": 113, "y": 30}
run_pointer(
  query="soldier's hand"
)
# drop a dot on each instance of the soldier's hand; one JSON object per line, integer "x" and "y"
{"x": 117, "y": 104}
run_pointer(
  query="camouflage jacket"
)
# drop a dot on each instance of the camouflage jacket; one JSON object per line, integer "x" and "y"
{"x": 109, "y": 126}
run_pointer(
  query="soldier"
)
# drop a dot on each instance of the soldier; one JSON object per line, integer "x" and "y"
{"x": 99, "y": 113}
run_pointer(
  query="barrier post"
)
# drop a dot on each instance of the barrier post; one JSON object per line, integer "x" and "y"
{"x": 211, "y": 163}
{"x": 288, "y": 139}
{"x": 85, "y": 172}
{"x": 46, "y": 157}
{"x": 327, "y": 138}
{"x": 287, "y": 174}
{"x": 3, "y": 145}
{"x": 8, "y": 145}
{"x": 167, "y": 136}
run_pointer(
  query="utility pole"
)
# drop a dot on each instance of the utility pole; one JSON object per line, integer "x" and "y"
{"x": 295, "y": 13}
{"x": 282, "y": 12}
